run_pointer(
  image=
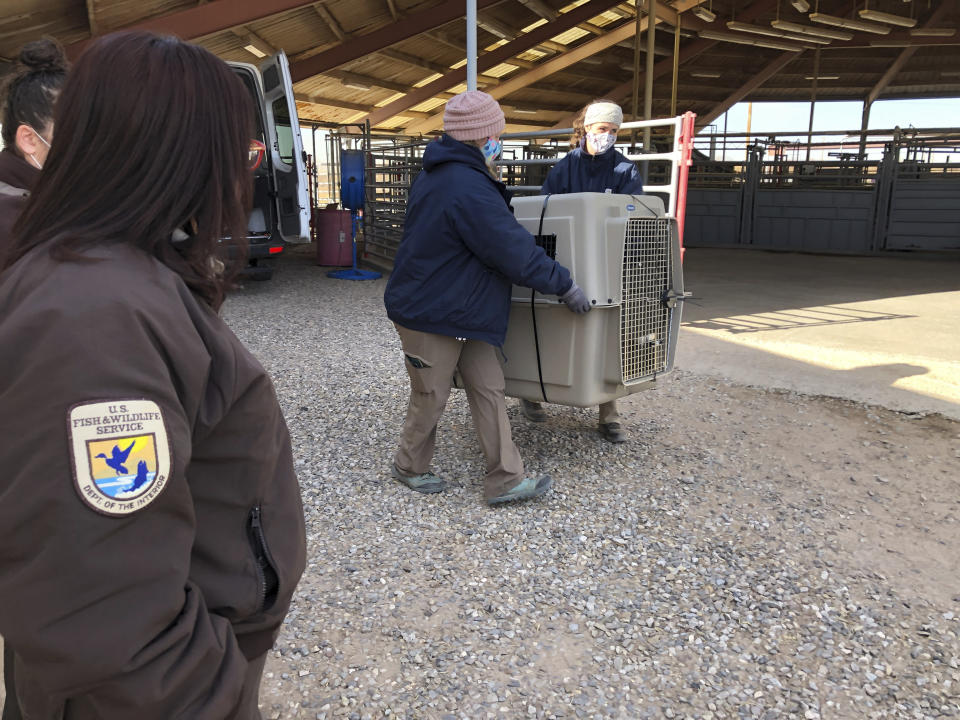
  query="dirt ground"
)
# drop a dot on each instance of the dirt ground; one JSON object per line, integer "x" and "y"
{"x": 887, "y": 483}
{"x": 864, "y": 495}
{"x": 883, "y": 486}
{"x": 877, "y": 492}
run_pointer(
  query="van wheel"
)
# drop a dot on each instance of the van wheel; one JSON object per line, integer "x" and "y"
{"x": 259, "y": 270}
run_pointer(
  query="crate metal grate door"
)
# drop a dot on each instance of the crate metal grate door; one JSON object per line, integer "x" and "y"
{"x": 644, "y": 320}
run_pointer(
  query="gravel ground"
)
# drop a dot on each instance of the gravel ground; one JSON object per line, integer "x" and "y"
{"x": 747, "y": 554}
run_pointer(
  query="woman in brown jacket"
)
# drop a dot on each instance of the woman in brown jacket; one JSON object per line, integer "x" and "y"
{"x": 26, "y": 96}
{"x": 153, "y": 530}
{"x": 28, "y": 93}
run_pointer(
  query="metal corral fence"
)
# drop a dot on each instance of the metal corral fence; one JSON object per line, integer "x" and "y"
{"x": 742, "y": 191}
{"x": 393, "y": 162}
{"x": 902, "y": 194}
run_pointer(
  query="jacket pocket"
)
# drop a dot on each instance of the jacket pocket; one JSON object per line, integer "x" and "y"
{"x": 269, "y": 581}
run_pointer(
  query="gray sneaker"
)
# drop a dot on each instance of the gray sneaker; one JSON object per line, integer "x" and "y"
{"x": 532, "y": 411}
{"x": 426, "y": 483}
{"x": 524, "y": 490}
{"x": 612, "y": 432}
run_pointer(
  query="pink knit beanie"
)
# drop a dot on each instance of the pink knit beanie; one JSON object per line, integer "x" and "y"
{"x": 472, "y": 115}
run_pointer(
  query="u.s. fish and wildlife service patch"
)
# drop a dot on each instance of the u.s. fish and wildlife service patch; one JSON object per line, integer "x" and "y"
{"x": 120, "y": 453}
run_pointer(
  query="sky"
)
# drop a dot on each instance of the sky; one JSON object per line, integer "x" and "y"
{"x": 792, "y": 119}
{"x": 795, "y": 117}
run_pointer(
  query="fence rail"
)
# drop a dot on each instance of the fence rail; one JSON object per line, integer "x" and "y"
{"x": 875, "y": 204}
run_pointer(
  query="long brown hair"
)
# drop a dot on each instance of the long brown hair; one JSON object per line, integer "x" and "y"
{"x": 578, "y": 129}
{"x": 152, "y": 134}
{"x": 29, "y": 92}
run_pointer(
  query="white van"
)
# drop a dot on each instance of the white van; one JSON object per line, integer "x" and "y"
{"x": 281, "y": 205}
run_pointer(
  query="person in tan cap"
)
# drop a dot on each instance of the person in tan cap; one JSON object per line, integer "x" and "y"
{"x": 449, "y": 297}
{"x": 593, "y": 165}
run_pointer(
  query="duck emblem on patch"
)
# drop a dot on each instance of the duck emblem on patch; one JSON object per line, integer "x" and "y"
{"x": 121, "y": 454}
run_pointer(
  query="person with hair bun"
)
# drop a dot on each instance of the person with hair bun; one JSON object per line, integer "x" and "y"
{"x": 154, "y": 532}
{"x": 593, "y": 165}
{"x": 28, "y": 95}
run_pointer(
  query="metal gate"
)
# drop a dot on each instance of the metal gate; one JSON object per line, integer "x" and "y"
{"x": 908, "y": 200}
{"x": 644, "y": 317}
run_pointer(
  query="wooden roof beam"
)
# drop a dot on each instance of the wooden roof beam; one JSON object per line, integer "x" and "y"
{"x": 517, "y": 62}
{"x": 547, "y": 13}
{"x": 624, "y": 12}
{"x": 413, "y": 61}
{"x": 248, "y": 37}
{"x": 748, "y": 87}
{"x": 434, "y": 67}
{"x": 343, "y": 104}
{"x": 536, "y": 107}
{"x": 330, "y": 102}
{"x": 591, "y": 28}
{"x": 311, "y": 52}
{"x": 207, "y": 19}
{"x": 904, "y": 56}
{"x": 331, "y": 21}
{"x": 495, "y": 27}
{"x": 564, "y": 88}
{"x": 92, "y": 17}
{"x": 360, "y": 45}
{"x": 345, "y": 76}
{"x": 688, "y": 53}
{"x": 441, "y": 39}
{"x": 556, "y": 64}
{"x": 502, "y": 54}
{"x": 504, "y": 32}
{"x": 541, "y": 8}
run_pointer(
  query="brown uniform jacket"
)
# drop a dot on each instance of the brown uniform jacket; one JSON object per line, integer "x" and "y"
{"x": 17, "y": 178}
{"x": 151, "y": 604}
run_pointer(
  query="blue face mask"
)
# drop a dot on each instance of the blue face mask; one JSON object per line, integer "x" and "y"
{"x": 491, "y": 149}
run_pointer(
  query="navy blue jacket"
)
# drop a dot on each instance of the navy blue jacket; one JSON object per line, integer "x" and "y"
{"x": 579, "y": 171}
{"x": 462, "y": 249}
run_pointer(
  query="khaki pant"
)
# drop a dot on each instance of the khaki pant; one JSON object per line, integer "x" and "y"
{"x": 431, "y": 361}
{"x": 609, "y": 413}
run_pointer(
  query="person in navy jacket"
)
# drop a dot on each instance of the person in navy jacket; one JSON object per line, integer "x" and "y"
{"x": 449, "y": 296}
{"x": 593, "y": 165}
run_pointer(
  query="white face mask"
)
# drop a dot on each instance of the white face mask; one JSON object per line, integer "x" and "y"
{"x": 601, "y": 142}
{"x": 44, "y": 141}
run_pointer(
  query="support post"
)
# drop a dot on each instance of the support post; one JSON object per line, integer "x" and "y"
{"x": 864, "y": 123}
{"x": 813, "y": 98}
{"x": 648, "y": 83}
{"x": 676, "y": 67}
{"x": 471, "y": 44}
{"x": 637, "y": 35}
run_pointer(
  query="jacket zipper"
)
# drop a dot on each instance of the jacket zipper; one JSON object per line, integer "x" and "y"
{"x": 268, "y": 581}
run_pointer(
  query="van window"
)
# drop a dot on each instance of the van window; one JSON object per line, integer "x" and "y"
{"x": 281, "y": 118}
{"x": 249, "y": 83}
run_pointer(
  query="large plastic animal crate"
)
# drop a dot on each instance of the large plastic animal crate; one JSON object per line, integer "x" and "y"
{"x": 625, "y": 255}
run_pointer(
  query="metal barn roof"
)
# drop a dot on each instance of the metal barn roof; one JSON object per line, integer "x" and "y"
{"x": 394, "y": 62}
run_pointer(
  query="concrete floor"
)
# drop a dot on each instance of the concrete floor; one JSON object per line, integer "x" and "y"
{"x": 879, "y": 330}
